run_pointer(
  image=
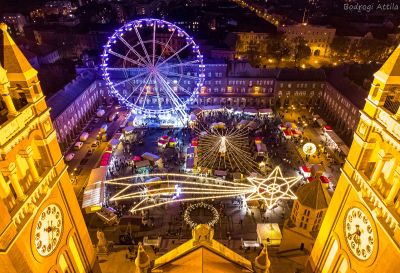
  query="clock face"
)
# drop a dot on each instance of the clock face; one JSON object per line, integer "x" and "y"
{"x": 48, "y": 229}
{"x": 359, "y": 233}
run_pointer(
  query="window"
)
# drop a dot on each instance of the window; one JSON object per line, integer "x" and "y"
{"x": 331, "y": 257}
{"x": 75, "y": 255}
{"x": 63, "y": 264}
{"x": 344, "y": 265}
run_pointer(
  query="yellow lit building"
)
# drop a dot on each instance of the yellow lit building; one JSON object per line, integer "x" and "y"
{"x": 360, "y": 231}
{"x": 204, "y": 254}
{"x": 41, "y": 226}
{"x": 301, "y": 229}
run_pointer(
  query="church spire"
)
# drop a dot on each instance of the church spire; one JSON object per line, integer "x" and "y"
{"x": 262, "y": 262}
{"x": 142, "y": 260}
{"x": 390, "y": 70}
{"x": 5, "y": 93}
{"x": 11, "y": 58}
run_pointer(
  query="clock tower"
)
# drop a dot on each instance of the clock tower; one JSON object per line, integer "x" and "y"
{"x": 41, "y": 226}
{"x": 361, "y": 232}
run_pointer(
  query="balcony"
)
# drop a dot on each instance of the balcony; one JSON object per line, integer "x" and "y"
{"x": 388, "y": 217}
{"x": 24, "y": 210}
{"x": 392, "y": 104}
{"x": 14, "y": 125}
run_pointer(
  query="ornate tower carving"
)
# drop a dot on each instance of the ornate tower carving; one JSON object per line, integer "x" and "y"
{"x": 41, "y": 226}
{"x": 361, "y": 232}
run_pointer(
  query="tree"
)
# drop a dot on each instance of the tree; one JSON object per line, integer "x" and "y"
{"x": 340, "y": 45}
{"x": 372, "y": 49}
{"x": 277, "y": 48}
{"x": 252, "y": 53}
{"x": 301, "y": 49}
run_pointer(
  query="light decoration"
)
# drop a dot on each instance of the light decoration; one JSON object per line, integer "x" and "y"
{"x": 309, "y": 148}
{"x": 198, "y": 188}
{"x": 192, "y": 207}
{"x": 225, "y": 149}
{"x": 273, "y": 188}
{"x": 152, "y": 75}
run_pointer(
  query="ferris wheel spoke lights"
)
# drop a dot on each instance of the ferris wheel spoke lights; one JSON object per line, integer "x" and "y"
{"x": 125, "y": 58}
{"x": 153, "y": 66}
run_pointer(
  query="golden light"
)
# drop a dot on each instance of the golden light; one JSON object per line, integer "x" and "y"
{"x": 309, "y": 148}
{"x": 197, "y": 188}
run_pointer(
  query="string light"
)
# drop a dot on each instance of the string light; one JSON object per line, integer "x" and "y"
{"x": 192, "y": 207}
{"x": 273, "y": 188}
{"x": 226, "y": 149}
{"x": 309, "y": 148}
{"x": 197, "y": 188}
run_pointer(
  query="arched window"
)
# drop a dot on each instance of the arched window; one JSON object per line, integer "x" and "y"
{"x": 331, "y": 256}
{"x": 344, "y": 266}
{"x": 75, "y": 255}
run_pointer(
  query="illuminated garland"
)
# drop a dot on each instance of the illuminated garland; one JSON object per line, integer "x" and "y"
{"x": 197, "y": 188}
{"x": 225, "y": 149}
{"x": 192, "y": 207}
{"x": 273, "y": 188}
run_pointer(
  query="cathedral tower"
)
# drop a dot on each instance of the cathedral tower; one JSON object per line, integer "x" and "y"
{"x": 361, "y": 232}
{"x": 41, "y": 225}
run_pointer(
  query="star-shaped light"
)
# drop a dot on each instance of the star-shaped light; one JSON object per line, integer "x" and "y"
{"x": 273, "y": 188}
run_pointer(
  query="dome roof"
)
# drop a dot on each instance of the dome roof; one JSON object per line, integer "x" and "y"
{"x": 313, "y": 195}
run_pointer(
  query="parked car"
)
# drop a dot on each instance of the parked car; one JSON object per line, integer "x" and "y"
{"x": 103, "y": 128}
{"x": 95, "y": 144}
{"x": 69, "y": 157}
{"x": 78, "y": 145}
{"x": 84, "y": 136}
{"x": 100, "y": 113}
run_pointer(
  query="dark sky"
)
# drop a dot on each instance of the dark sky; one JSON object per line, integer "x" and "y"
{"x": 23, "y": 6}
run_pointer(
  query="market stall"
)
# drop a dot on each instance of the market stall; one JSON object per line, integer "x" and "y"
{"x": 94, "y": 193}
{"x": 269, "y": 234}
{"x": 305, "y": 171}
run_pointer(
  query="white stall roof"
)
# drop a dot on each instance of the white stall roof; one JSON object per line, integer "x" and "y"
{"x": 150, "y": 156}
{"x": 265, "y": 111}
{"x": 269, "y": 233}
{"x": 94, "y": 191}
{"x": 334, "y": 137}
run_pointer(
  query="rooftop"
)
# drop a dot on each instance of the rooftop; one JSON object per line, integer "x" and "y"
{"x": 314, "y": 195}
{"x": 63, "y": 98}
{"x": 295, "y": 74}
{"x": 355, "y": 93}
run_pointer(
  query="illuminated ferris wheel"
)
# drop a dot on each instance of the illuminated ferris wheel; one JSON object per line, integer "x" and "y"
{"x": 154, "y": 67}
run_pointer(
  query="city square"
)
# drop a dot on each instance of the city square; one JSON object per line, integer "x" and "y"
{"x": 199, "y": 136}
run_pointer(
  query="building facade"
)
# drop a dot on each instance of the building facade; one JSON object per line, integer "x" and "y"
{"x": 41, "y": 225}
{"x": 360, "y": 232}
{"x": 340, "y": 105}
{"x": 318, "y": 38}
{"x": 237, "y": 84}
{"x": 299, "y": 88}
{"x": 249, "y": 41}
{"x": 74, "y": 106}
{"x": 16, "y": 22}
